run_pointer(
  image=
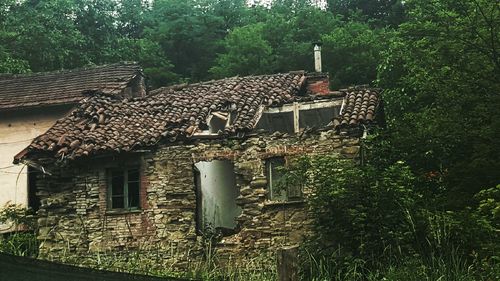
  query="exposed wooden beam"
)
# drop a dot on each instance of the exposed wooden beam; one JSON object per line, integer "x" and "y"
{"x": 304, "y": 106}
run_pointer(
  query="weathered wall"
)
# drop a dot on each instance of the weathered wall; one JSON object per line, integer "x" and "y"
{"x": 74, "y": 219}
{"x": 17, "y": 129}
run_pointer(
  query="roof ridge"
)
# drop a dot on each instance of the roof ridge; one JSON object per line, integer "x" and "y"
{"x": 5, "y": 76}
{"x": 181, "y": 86}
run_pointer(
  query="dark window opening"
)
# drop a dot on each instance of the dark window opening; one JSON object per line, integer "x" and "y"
{"x": 216, "y": 125}
{"x": 123, "y": 189}
{"x": 218, "y": 122}
{"x": 317, "y": 118}
{"x": 33, "y": 199}
{"x": 278, "y": 190}
{"x": 276, "y": 122}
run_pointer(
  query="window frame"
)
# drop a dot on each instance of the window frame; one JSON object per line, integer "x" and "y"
{"x": 284, "y": 196}
{"x": 295, "y": 108}
{"x": 126, "y": 200}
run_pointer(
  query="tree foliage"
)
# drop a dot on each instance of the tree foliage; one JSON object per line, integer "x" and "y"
{"x": 193, "y": 40}
{"x": 246, "y": 53}
{"x": 438, "y": 62}
{"x": 359, "y": 211}
{"x": 380, "y": 12}
{"x": 442, "y": 88}
{"x": 352, "y": 52}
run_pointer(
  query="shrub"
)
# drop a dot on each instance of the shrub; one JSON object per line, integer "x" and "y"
{"x": 359, "y": 212}
{"x": 22, "y": 241}
{"x": 372, "y": 223}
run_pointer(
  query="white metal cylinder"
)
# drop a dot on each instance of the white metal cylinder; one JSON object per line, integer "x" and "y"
{"x": 317, "y": 58}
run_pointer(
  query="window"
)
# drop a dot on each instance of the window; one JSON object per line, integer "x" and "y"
{"x": 276, "y": 122}
{"x": 317, "y": 118}
{"x": 123, "y": 188}
{"x": 291, "y": 118}
{"x": 274, "y": 174}
{"x": 33, "y": 199}
{"x": 216, "y": 123}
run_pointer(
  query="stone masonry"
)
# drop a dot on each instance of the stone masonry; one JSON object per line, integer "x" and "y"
{"x": 74, "y": 219}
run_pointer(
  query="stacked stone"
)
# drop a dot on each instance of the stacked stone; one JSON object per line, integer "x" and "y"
{"x": 74, "y": 219}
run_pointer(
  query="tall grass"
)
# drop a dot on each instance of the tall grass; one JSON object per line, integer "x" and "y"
{"x": 452, "y": 268}
{"x": 211, "y": 267}
{"x": 19, "y": 244}
{"x": 22, "y": 241}
{"x": 436, "y": 255}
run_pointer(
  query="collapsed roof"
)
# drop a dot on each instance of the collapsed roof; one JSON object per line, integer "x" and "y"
{"x": 109, "y": 124}
{"x": 64, "y": 87}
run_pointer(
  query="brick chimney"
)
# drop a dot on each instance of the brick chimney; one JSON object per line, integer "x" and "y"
{"x": 317, "y": 82}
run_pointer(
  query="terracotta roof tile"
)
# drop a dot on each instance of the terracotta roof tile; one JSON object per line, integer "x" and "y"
{"x": 105, "y": 124}
{"x": 360, "y": 105}
{"x": 64, "y": 87}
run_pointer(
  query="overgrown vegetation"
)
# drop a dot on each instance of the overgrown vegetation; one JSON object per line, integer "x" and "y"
{"x": 426, "y": 204}
{"x": 21, "y": 240}
{"x": 373, "y": 223}
{"x": 210, "y": 268}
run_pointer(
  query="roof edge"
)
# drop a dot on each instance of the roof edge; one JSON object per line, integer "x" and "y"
{"x": 87, "y": 67}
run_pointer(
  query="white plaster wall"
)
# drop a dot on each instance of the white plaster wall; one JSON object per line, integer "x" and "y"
{"x": 219, "y": 193}
{"x": 17, "y": 129}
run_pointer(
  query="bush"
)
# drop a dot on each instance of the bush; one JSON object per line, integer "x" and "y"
{"x": 374, "y": 223}
{"x": 22, "y": 241}
{"x": 359, "y": 212}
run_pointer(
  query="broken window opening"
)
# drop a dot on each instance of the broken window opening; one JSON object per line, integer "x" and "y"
{"x": 317, "y": 118}
{"x": 276, "y": 122}
{"x": 216, "y": 123}
{"x": 291, "y": 118}
{"x": 278, "y": 190}
{"x": 216, "y": 191}
{"x": 123, "y": 188}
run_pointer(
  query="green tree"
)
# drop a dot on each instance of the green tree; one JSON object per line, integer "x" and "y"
{"x": 359, "y": 211}
{"x": 46, "y": 35}
{"x": 149, "y": 54}
{"x": 96, "y": 22}
{"x": 352, "y": 53}
{"x": 132, "y": 17}
{"x": 247, "y": 52}
{"x": 232, "y": 13}
{"x": 188, "y": 33}
{"x": 292, "y": 36}
{"x": 8, "y": 63}
{"x": 381, "y": 12}
{"x": 442, "y": 88}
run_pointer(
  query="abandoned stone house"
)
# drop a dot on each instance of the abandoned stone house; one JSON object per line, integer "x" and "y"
{"x": 31, "y": 103}
{"x": 158, "y": 173}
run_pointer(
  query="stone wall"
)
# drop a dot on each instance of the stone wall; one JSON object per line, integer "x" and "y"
{"x": 74, "y": 218}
